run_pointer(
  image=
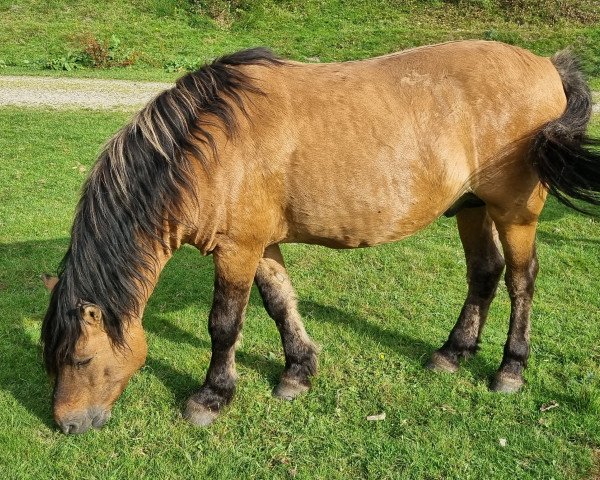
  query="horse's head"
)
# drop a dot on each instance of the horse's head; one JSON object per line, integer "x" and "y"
{"x": 94, "y": 374}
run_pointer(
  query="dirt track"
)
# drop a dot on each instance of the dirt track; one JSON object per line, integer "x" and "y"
{"x": 76, "y": 92}
{"x": 90, "y": 93}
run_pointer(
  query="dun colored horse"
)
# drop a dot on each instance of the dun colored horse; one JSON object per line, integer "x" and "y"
{"x": 251, "y": 151}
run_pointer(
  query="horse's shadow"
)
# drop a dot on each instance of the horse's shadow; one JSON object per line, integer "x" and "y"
{"x": 393, "y": 340}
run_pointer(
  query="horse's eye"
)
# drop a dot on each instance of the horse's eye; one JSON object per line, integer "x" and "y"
{"x": 82, "y": 363}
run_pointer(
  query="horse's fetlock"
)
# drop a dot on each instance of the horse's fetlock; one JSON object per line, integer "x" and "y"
{"x": 214, "y": 397}
{"x": 516, "y": 353}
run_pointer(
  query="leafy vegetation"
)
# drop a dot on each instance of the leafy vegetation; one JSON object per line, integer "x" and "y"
{"x": 377, "y": 313}
{"x": 95, "y": 54}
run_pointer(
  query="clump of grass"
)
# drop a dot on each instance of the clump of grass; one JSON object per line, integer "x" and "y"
{"x": 69, "y": 61}
{"x": 184, "y": 64}
{"x": 107, "y": 53}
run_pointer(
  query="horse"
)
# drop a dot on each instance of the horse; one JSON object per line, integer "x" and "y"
{"x": 252, "y": 150}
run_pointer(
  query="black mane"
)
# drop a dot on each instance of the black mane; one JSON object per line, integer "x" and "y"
{"x": 140, "y": 179}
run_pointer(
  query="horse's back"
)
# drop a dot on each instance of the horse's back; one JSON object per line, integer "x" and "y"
{"x": 371, "y": 151}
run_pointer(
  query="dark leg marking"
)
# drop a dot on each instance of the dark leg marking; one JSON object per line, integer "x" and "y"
{"x": 280, "y": 302}
{"x": 516, "y": 231}
{"x": 225, "y": 323}
{"x": 520, "y": 282}
{"x": 484, "y": 268}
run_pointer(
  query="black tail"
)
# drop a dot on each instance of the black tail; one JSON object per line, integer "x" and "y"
{"x": 565, "y": 157}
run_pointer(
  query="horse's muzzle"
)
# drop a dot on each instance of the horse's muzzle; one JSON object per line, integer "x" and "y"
{"x": 80, "y": 422}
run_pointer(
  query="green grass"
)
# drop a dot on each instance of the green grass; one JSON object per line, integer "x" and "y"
{"x": 178, "y": 33}
{"x": 377, "y": 314}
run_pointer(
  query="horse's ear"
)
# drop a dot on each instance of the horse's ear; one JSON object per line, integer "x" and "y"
{"x": 49, "y": 281}
{"x": 91, "y": 313}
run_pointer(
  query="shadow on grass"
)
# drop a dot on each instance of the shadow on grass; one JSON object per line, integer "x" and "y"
{"x": 182, "y": 384}
{"x": 554, "y": 210}
{"x": 22, "y": 301}
{"x": 396, "y": 341}
{"x": 22, "y": 374}
{"x": 555, "y": 239}
{"x": 416, "y": 350}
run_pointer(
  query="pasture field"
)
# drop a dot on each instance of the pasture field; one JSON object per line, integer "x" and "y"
{"x": 377, "y": 314}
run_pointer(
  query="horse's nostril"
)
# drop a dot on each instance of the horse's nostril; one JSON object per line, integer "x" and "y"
{"x": 81, "y": 421}
{"x": 74, "y": 424}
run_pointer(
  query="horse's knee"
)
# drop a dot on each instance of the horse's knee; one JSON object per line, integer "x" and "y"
{"x": 275, "y": 289}
{"x": 226, "y": 315}
{"x": 485, "y": 273}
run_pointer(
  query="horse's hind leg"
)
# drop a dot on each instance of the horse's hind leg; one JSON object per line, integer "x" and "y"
{"x": 234, "y": 272}
{"x": 279, "y": 299}
{"x": 517, "y": 234}
{"x": 484, "y": 267}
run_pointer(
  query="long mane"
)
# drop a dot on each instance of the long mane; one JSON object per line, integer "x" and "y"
{"x": 142, "y": 178}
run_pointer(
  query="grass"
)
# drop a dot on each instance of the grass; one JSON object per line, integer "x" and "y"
{"x": 377, "y": 313}
{"x": 167, "y": 36}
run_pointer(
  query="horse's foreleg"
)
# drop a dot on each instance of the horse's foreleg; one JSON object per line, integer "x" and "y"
{"x": 233, "y": 279}
{"x": 518, "y": 242}
{"x": 484, "y": 267}
{"x": 279, "y": 299}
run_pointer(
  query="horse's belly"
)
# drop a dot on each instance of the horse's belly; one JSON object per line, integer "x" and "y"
{"x": 356, "y": 214}
{"x": 367, "y": 186}
{"x": 348, "y": 234}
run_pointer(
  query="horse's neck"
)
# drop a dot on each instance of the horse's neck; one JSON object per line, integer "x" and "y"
{"x": 174, "y": 235}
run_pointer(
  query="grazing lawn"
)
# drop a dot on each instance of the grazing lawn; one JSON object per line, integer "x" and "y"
{"x": 377, "y": 313}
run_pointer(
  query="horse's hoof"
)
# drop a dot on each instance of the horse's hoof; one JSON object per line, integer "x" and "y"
{"x": 289, "y": 389}
{"x": 440, "y": 363}
{"x": 198, "y": 414}
{"x": 507, "y": 383}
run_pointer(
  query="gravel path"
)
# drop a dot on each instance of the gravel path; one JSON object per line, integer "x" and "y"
{"x": 91, "y": 93}
{"x": 76, "y": 92}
